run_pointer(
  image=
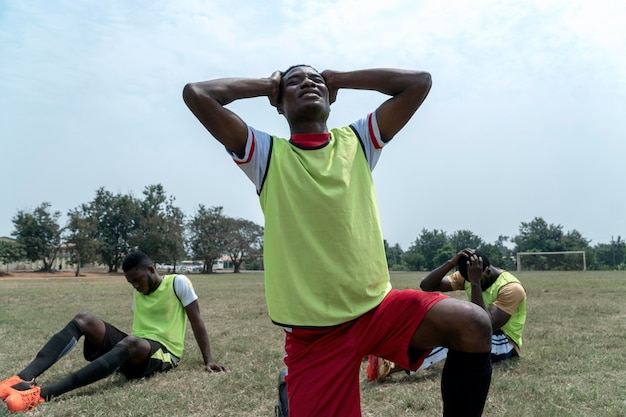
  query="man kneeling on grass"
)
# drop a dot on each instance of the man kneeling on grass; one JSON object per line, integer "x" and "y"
{"x": 495, "y": 290}
{"x": 160, "y": 308}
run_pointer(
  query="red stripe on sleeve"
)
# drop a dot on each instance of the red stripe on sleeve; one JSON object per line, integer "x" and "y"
{"x": 372, "y": 134}
{"x": 249, "y": 158}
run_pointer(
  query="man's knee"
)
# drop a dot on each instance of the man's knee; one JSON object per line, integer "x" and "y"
{"x": 137, "y": 347}
{"x": 478, "y": 330}
{"x": 132, "y": 342}
{"x": 455, "y": 324}
{"x": 85, "y": 321}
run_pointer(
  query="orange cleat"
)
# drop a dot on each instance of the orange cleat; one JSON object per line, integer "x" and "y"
{"x": 6, "y": 385}
{"x": 24, "y": 400}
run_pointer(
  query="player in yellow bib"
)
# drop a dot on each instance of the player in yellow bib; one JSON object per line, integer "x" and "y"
{"x": 497, "y": 291}
{"x": 326, "y": 277}
{"x": 161, "y": 307}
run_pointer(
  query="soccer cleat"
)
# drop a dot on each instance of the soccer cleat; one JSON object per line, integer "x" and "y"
{"x": 24, "y": 400}
{"x": 8, "y": 385}
{"x": 378, "y": 368}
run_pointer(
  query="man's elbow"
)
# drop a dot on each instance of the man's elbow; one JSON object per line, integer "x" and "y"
{"x": 189, "y": 93}
{"x": 427, "y": 78}
{"x": 424, "y": 81}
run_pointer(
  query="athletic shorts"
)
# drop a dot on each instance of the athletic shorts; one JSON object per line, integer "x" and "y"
{"x": 324, "y": 364}
{"x": 160, "y": 359}
{"x": 501, "y": 347}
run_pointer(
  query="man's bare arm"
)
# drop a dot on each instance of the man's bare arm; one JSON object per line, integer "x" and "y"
{"x": 436, "y": 280}
{"x": 207, "y": 101}
{"x": 408, "y": 90}
{"x": 202, "y": 338}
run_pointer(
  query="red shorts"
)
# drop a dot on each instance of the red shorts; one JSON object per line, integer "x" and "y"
{"x": 324, "y": 364}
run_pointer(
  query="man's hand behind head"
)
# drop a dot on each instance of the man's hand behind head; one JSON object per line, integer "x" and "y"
{"x": 274, "y": 96}
{"x": 332, "y": 90}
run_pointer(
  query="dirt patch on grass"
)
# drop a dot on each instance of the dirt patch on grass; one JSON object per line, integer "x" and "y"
{"x": 52, "y": 275}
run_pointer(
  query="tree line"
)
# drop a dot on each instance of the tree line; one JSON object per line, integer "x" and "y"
{"x": 110, "y": 226}
{"x": 105, "y": 229}
{"x": 434, "y": 247}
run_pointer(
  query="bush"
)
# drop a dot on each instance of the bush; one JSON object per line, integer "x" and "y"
{"x": 398, "y": 267}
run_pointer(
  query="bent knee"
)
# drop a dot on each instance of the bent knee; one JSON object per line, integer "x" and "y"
{"x": 478, "y": 331}
{"x": 85, "y": 320}
{"x": 464, "y": 326}
{"x": 455, "y": 324}
{"x": 132, "y": 342}
{"x": 138, "y": 348}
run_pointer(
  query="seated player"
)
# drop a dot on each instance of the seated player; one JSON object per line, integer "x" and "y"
{"x": 161, "y": 306}
{"x": 497, "y": 291}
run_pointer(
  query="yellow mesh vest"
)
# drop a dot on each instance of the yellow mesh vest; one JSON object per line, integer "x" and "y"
{"x": 515, "y": 326}
{"x": 323, "y": 248}
{"x": 160, "y": 316}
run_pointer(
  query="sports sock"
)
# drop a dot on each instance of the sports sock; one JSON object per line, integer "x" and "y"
{"x": 58, "y": 346}
{"x": 465, "y": 383}
{"x": 102, "y": 367}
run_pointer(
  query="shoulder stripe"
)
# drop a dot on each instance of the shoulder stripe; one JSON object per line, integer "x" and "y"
{"x": 375, "y": 140}
{"x": 249, "y": 152}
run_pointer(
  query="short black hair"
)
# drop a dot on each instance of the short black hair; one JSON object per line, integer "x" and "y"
{"x": 136, "y": 259}
{"x": 462, "y": 265}
{"x": 297, "y": 66}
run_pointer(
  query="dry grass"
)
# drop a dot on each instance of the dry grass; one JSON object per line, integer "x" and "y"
{"x": 572, "y": 364}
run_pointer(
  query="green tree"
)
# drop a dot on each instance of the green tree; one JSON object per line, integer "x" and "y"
{"x": 445, "y": 253}
{"x": 160, "y": 230}
{"x": 610, "y": 255}
{"x": 81, "y": 237}
{"x": 604, "y": 257}
{"x": 539, "y": 236}
{"x": 499, "y": 254}
{"x": 255, "y": 260}
{"x": 394, "y": 256}
{"x": 244, "y": 239}
{"x": 573, "y": 240}
{"x": 505, "y": 251}
{"x": 117, "y": 218}
{"x": 413, "y": 260}
{"x": 39, "y": 234}
{"x": 496, "y": 258}
{"x": 10, "y": 251}
{"x": 208, "y": 231}
{"x": 462, "y": 239}
{"x": 427, "y": 245}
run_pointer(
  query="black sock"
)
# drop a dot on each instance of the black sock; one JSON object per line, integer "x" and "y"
{"x": 465, "y": 383}
{"x": 58, "y": 346}
{"x": 102, "y": 367}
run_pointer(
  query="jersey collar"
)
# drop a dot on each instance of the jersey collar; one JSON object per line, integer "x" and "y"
{"x": 310, "y": 140}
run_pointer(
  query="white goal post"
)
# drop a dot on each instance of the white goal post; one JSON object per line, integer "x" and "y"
{"x": 572, "y": 252}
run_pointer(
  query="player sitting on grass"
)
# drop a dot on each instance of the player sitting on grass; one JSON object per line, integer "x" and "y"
{"x": 497, "y": 291}
{"x": 160, "y": 308}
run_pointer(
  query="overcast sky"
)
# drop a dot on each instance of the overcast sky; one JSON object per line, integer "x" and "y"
{"x": 526, "y": 117}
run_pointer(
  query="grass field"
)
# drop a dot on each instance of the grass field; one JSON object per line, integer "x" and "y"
{"x": 572, "y": 364}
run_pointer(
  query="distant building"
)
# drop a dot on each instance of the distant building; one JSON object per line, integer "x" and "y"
{"x": 16, "y": 266}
